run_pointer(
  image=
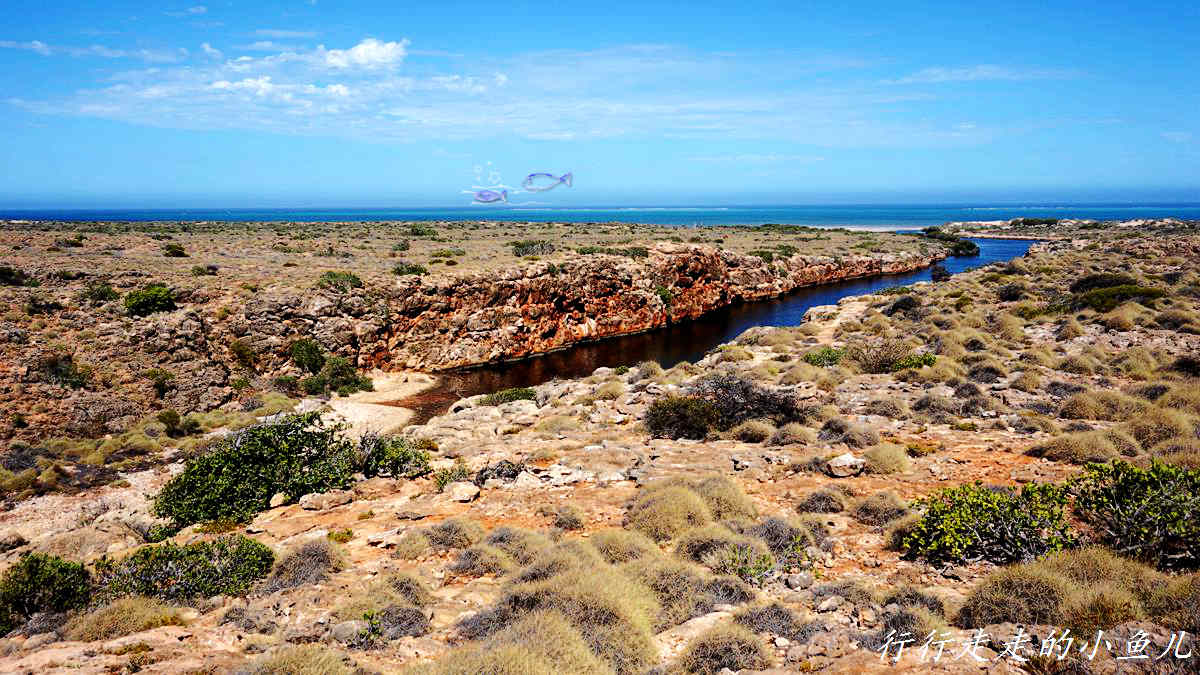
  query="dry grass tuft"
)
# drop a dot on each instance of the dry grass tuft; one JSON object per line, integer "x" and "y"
{"x": 880, "y": 508}
{"x": 125, "y": 616}
{"x": 887, "y": 458}
{"x": 302, "y": 660}
{"x": 455, "y": 533}
{"x": 618, "y": 546}
{"x": 725, "y": 646}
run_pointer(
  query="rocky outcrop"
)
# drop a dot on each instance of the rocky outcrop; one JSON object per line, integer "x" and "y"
{"x": 449, "y": 322}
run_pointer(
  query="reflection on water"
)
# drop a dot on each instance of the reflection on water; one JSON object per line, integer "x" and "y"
{"x": 672, "y": 344}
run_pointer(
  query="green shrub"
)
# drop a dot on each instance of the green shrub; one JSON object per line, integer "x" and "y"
{"x": 509, "y": 395}
{"x": 1094, "y": 281}
{"x": 226, "y": 565}
{"x": 308, "y": 355}
{"x": 1151, "y": 514}
{"x": 972, "y": 522}
{"x": 531, "y": 247}
{"x": 405, "y": 269}
{"x": 824, "y": 356}
{"x": 148, "y": 300}
{"x": 339, "y": 375}
{"x": 914, "y": 361}
{"x": 294, "y": 456}
{"x": 1107, "y": 299}
{"x": 681, "y": 417}
{"x": 59, "y": 367}
{"x": 11, "y": 276}
{"x": 243, "y": 353}
{"x": 340, "y": 282}
{"x": 452, "y": 474}
{"x": 99, "y": 292}
{"x": 160, "y": 379}
{"x": 174, "y": 251}
{"x": 396, "y": 457}
{"x": 41, "y": 583}
{"x": 738, "y": 399}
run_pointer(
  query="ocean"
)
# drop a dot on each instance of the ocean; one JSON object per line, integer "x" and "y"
{"x": 901, "y": 216}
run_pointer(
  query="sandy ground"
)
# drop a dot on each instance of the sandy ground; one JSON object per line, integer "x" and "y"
{"x": 365, "y": 411}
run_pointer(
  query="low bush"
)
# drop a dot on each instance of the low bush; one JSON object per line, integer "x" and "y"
{"x": 412, "y": 545}
{"x": 1105, "y": 405}
{"x": 1106, "y": 299}
{"x": 294, "y": 456}
{"x": 887, "y": 407}
{"x": 879, "y": 509}
{"x": 618, "y": 546}
{"x": 308, "y": 355}
{"x": 1077, "y": 448}
{"x": 1020, "y": 594}
{"x": 482, "y": 559}
{"x": 311, "y": 659}
{"x": 455, "y": 533}
{"x": 150, "y": 299}
{"x": 339, "y": 282}
{"x": 1151, "y": 514}
{"x": 879, "y": 357}
{"x": 752, "y": 431}
{"x": 666, "y": 512}
{"x": 226, "y": 565}
{"x": 509, "y": 395}
{"x": 887, "y": 458}
{"x": 41, "y": 583}
{"x": 838, "y": 430}
{"x": 681, "y": 417}
{"x": 824, "y": 356}
{"x": 174, "y": 251}
{"x": 98, "y": 292}
{"x": 972, "y": 522}
{"x": 531, "y": 247}
{"x": 778, "y": 620}
{"x": 122, "y": 617}
{"x": 1156, "y": 424}
{"x": 308, "y": 563}
{"x": 724, "y": 646}
{"x": 737, "y": 400}
{"x": 826, "y": 500}
{"x": 12, "y": 276}
{"x": 520, "y": 544}
{"x": 394, "y": 456}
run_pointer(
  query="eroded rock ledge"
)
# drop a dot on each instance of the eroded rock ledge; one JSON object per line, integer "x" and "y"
{"x": 449, "y": 323}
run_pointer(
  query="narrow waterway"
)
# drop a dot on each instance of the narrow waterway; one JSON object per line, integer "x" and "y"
{"x": 688, "y": 341}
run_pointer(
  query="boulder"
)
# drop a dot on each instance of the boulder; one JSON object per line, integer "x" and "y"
{"x": 320, "y": 501}
{"x": 845, "y": 466}
{"x": 462, "y": 491}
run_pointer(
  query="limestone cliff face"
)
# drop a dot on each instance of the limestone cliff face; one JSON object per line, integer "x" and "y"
{"x": 449, "y": 322}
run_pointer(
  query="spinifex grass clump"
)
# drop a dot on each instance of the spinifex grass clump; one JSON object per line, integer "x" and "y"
{"x": 294, "y": 456}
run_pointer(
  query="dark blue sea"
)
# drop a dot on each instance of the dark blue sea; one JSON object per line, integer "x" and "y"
{"x": 898, "y": 216}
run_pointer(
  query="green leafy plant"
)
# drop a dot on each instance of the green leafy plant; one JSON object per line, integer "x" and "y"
{"x": 243, "y": 353}
{"x": 681, "y": 417}
{"x": 308, "y": 355}
{"x": 341, "y": 282}
{"x": 41, "y": 583}
{"x": 972, "y": 522}
{"x": 403, "y": 268}
{"x": 1107, "y": 298}
{"x": 294, "y": 456}
{"x": 227, "y": 565}
{"x": 99, "y": 292}
{"x": 453, "y": 474}
{"x": 509, "y": 395}
{"x": 914, "y": 361}
{"x": 153, "y": 298}
{"x": 160, "y": 379}
{"x": 174, "y": 251}
{"x": 396, "y": 457}
{"x": 824, "y": 356}
{"x": 531, "y": 247}
{"x": 742, "y": 561}
{"x": 1152, "y": 514}
{"x": 176, "y": 425}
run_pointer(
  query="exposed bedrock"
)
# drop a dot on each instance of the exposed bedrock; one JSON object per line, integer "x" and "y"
{"x": 431, "y": 324}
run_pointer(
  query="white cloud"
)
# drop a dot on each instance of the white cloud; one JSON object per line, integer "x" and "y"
{"x": 278, "y": 34}
{"x": 500, "y": 79}
{"x": 1178, "y": 136}
{"x": 195, "y": 10}
{"x": 36, "y": 46}
{"x": 749, "y": 158}
{"x": 148, "y": 55}
{"x": 265, "y": 46}
{"x": 370, "y": 53}
{"x": 981, "y": 73}
{"x": 209, "y": 50}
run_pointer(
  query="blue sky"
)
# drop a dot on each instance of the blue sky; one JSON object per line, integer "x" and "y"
{"x": 320, "y": 103}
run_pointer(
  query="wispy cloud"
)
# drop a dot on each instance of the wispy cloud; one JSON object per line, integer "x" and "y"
{"x": 1178, "y": 136}
{"x": 753, "y": 158}
{"x": 982, "y": 73}
{"x": 370, "y": 90}
{"x": 195, "y": 10}
{"x": 148, "y": 55}
{"x": 278, "y": 34}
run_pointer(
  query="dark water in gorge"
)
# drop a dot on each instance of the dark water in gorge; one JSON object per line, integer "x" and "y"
{"x": 688, "y": 341}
